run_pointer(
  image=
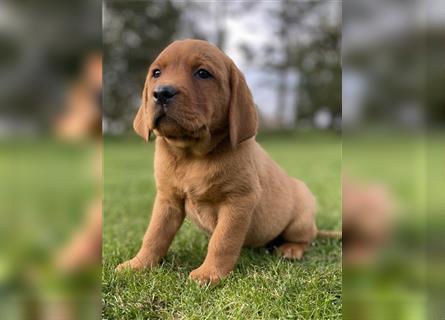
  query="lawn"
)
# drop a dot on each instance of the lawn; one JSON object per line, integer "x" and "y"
{"x": 263, "y": 286}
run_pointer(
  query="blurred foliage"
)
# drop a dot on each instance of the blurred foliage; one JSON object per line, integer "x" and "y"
{"x": 310, "y": 47}
{"x": 36, "y": 60}
{"x": 320, "y": 76}
{"x": 435, "y": 77}
{"x": 400, "y": 64}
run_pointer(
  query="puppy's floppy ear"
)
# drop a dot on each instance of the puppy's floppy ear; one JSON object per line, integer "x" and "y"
{"x": 243, "y": 117}
{"x": 140, "y": 123}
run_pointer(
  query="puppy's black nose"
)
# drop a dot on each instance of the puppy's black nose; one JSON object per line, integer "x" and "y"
{"x": 164, "y": 94}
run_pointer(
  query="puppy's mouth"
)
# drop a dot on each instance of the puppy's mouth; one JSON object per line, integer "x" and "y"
{"x": 157, "y": 117}
{"x": 181, "y": 138}
{"x": 182, "y": 135}
{"x": 168, "y": 126}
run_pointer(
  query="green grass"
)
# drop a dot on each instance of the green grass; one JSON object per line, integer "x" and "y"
{"x": 262, "y": 286}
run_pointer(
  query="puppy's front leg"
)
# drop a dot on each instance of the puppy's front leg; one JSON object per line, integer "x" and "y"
{"x": 167, "y": 217}
{"x": 226, "y": 241}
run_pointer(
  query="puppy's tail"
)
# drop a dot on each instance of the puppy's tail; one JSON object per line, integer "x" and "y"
{"x": 329, "y": 234}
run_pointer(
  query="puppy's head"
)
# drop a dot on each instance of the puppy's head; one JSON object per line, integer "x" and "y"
{"x": 192, "y": 91}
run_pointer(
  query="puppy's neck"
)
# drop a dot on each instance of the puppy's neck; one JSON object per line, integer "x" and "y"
{"x": 216, "y": 142}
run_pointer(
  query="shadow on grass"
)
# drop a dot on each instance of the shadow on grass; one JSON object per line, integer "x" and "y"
{"x": 252, "y": 260}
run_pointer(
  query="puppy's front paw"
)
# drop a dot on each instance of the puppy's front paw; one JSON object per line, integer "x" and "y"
{"x": 135, "y": 264}
{"x": 205, "y": 275}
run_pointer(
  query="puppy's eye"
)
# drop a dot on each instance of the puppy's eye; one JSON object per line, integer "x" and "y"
{"x": 156, "y": 73}
{"x": 203, "y": 74}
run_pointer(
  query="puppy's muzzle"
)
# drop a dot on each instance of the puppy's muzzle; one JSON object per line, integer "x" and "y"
{"x": 163, "y": 95}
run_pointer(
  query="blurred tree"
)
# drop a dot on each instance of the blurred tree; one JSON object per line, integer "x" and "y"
{"x": 404, "y": 77}
{"x": 320, "y": 76}
{"x": 133, "y": 35}
{"x": 189, "y": 24}
{"x": 193, "y": 13}
{"x": 285, "y": 17}
{"x": 38, "y": 63}
{"x": 435, "y": 77}
{"x": 309, "y": 34}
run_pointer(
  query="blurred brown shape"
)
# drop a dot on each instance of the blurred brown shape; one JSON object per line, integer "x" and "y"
{"x": 367, "y": 221}
{"x": 82, "y": 117}
{"x": 84, "y": 248}
{"x": 82, "y": 120}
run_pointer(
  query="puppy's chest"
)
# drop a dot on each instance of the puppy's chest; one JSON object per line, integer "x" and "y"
{"x": 203, "y": 195}
{"x": 201, "y": 184}
{"x": 204, "y": 215}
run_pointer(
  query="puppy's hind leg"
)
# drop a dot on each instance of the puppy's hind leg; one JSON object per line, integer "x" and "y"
{"x": 301, "y": 230}
{"x": 296, "y": 239}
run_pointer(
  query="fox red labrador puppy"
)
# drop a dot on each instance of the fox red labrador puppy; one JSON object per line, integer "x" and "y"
{"x": 209, "y": 167}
